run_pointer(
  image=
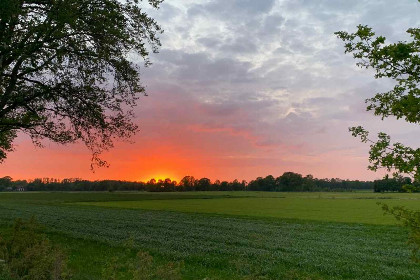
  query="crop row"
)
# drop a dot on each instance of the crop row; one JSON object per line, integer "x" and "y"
{"x": 330, "y": 250}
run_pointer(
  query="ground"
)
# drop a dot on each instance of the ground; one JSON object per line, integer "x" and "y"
{"x": 226, "y": 235}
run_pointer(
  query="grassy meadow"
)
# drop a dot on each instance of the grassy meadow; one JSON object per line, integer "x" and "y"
{"x": 225, "y": 235}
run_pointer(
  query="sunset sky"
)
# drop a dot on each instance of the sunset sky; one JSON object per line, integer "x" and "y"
{"x": 246, "y": 88}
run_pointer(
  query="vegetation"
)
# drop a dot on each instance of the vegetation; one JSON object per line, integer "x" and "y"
{"x": 327, "y": 207}
{"x": 289, "y": 181}
{"x": 410, "y": 219}
{"x": 400, "y": 62}
{"x": 140, "y": 268}
{"x": 226, "y": 245}
{"x": 64, "y": 72}
{"x": 398, "y": 184}
{"x": 27, "y": 254}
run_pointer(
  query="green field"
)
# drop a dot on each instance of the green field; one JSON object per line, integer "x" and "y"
{"x": 353, "y": 208}
{"x": 226, "y": 235}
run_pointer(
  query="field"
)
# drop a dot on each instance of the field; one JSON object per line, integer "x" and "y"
{"x": 226, "y": 235}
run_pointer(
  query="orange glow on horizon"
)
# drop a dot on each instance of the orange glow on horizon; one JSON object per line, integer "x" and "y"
{"x": 160, "y": 176}
{"x": 218, "y": 156}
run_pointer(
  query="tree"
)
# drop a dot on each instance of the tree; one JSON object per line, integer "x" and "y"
{"x": 64, "y": 70}
{"x": 290, "y": 181}
{"x": 401, "y": 62}
{"x": 5, "y": 182}
{"x": 188, "y": 183}
{"x": 204, "y": 184}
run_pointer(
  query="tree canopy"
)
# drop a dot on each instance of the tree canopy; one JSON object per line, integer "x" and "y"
{"x": 65, "y": 72}
{"x": 400, "y": 62}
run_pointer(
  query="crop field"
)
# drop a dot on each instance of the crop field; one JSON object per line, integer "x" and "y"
{"x": 226, "y": 235}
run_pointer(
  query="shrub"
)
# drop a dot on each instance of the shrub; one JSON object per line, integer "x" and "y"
{"x": 28, "y": 254}
{"x": 408, "y": 188}
{"x": 143, "y": 267}
{"x": 411, "y": 220}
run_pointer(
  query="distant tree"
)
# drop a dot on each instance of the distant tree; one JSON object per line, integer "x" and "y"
{"x": 151, "y": 184}
{"x": 65, "y": 73}
{"x": 237, "y": 186}
{"x": 256, "y": 185}
{"x": 187, "y": 183}
{"x": 308, "y": 183}
{"x": 5, "y": 182}
{"x": 224, "y": 186}
{"x": 204, "y": 184}
{"x": 291, "y": 181}
{"x": 269, "y": 183}
{"x": 216, "y": 185}
{"x": 168, "y": 185}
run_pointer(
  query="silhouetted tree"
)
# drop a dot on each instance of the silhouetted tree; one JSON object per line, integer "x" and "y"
{"x": 401, "y": 62}
{"x": 64, "y": 72}
{"x": 187, "y": 183}
{"x": 204, "y": 184}
{"x": 290, "y": 181}
{"x": 5, "y": 183}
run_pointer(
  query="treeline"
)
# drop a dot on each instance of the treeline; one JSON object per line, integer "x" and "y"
{"x": 288, "y": 182}
{"x": 396, "y": 184}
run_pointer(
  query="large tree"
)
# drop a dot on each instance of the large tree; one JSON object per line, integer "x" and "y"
{"x": 401, "y": 62}
{"x": 69, "y": 69}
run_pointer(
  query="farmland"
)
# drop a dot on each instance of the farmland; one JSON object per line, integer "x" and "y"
{"x": 226, "y": 235}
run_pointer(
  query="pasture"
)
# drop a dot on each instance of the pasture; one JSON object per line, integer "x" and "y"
{"x": 226, "y": 235}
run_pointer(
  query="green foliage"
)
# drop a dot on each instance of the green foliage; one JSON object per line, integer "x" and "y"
{"x": 27, "y": 254}
{"x": 401, "y": 62}
{"x": 396, "y": 184}
{"x": 410, "y": 219}
{"x": 394, "y": 157}
{"x": 289, "y": 181}
{"x": 408, "y": 188}
{"x": 65, "y": 73}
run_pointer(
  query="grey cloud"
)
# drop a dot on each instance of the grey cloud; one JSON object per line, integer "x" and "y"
{"x": 209, "y": 42}
{"x": 270, "y": 58}
{"x": 273, "y": 23}
{"x": 227, "y": 10}
{"x": 202, "y": 69}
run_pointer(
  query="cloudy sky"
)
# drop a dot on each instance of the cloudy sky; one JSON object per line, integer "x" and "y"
{"x": 246, "y": 88}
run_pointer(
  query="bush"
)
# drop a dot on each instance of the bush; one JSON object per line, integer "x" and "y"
{"x": 143, "y": 267}
{"x": 411, "y": 220}
{"x": 28, "y": 254}
{"x": 410, "y": 188}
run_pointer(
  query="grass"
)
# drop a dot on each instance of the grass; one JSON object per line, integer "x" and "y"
{"x": 271, "y": 235}
{"x": 353, "y": 208}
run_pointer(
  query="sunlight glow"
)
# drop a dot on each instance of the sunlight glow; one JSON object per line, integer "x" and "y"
{"x": 160, "y": 176}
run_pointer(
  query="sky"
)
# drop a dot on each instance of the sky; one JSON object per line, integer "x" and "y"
{"x": 245, "y": 88}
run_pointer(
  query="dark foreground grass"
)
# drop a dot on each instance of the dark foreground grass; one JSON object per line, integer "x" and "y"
{"x": 218, "y": 246}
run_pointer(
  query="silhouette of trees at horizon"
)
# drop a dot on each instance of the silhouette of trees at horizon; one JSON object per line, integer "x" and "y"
{"x": 288, "y": 182}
